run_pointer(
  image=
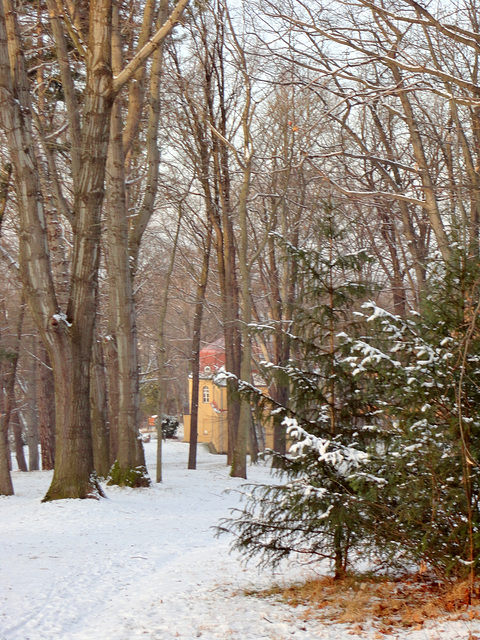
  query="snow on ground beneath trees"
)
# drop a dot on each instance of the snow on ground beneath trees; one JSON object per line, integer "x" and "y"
{"x": 145, "y": 564}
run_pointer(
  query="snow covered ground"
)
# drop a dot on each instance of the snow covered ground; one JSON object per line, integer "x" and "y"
{"x": 145, "y": 564}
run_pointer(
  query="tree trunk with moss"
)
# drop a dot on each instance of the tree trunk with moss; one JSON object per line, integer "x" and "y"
{"x": 129, "y": 467}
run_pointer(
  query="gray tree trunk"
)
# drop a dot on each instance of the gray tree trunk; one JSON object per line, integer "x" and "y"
{"x": 31, "y": 420}
{"x": 46, "y": 408}
{"x": 6, "y": 485}
{"x": 196, "y": 343}
{"x": 98, "y": 399}
{"x": 129, "y": 467}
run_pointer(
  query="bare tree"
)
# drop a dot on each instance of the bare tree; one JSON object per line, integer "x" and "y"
{"x": 67, "y": 332}
{"x": 196, "y": 346}
{"x": 399, "y": 87}
{"x": 205, "y": 115}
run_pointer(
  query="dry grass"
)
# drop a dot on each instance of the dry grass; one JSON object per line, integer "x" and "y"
{"x": 387, "y": 603}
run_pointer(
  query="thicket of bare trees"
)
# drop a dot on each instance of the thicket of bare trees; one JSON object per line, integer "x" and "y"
{"x": 58, "y": 151}
{"x": 251, "y": 121}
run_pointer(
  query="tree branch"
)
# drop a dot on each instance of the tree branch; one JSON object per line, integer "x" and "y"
{"x": 147, "y": 50}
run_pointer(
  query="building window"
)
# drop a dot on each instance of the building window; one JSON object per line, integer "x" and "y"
{"x": 206, "y": 394}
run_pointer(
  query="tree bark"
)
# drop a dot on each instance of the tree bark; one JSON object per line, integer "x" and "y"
{"x": 6, "y": 485}
{"x": 112, "y": 386}
{"x": 98, "y": 397}
{"x": 46, "y": 408}
{"x": 67, "y": 336}
{"x": 162, "y": 390}
{"x": 16, "y": 427}
{"x": 70, "y": 353}
{"x": 32, "y": 419}
{"x": 239, "y": 461}
{"x": 196, "y": 346}
{"x": 129, "y": 467}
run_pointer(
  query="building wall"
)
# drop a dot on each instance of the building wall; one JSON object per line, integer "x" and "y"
{"x": 212, "y": 417}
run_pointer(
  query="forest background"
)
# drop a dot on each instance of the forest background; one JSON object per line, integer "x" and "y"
{"x": 299, "y": 179}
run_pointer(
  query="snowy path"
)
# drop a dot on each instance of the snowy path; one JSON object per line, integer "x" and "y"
{"x": 145, "y": 564}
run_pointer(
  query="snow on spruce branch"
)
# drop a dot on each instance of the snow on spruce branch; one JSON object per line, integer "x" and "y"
{"x": 344, "y": 458}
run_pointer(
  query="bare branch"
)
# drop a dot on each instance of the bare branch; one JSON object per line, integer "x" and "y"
{"x": 146, "y": 51}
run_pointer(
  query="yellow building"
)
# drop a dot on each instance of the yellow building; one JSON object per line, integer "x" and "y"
{"x": 212, "y": 404}
{"x": 212, "y": 414}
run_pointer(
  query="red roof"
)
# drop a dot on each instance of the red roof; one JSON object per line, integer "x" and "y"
{"x": 213, "y": 356}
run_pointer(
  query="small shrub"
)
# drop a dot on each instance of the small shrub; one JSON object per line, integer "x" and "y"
{"x": 170, "y": 425}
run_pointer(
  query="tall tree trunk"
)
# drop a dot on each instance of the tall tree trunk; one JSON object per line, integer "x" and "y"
{"x": 162, "y": 390}
{"x": 46, "y": 408}
{"x": 16, "y": 427}
{"x": 6, "y": 485}
{"x": 70, "y": 345}
{"x": 226, "y": 245}
{"x": 239, "y": 461}
{"x": 196, "y": 345}
{"x": 120, "y": 155}
{"x": 98, "y": 397}
{"x": 32, "y": 419}
{"x": 68, "y": 337}
{"x": 210, "y": 155}
{"x": 9, "y": 391}
{"x": 129, "y": 468}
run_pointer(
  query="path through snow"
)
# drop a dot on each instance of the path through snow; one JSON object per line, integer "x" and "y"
{"x": 145, "y": 564}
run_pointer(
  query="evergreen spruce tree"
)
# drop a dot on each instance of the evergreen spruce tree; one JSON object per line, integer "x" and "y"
{"x": 426, "y": 374}
{"x": 385, "y": 428}
{"x": 315, "y": 510}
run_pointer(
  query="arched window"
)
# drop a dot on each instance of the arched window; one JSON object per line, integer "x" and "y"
{"x": 206, "y": 394}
